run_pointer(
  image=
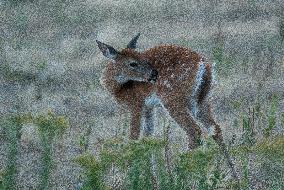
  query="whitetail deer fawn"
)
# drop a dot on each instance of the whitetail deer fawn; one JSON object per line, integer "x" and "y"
{"x": 175, "y": 77}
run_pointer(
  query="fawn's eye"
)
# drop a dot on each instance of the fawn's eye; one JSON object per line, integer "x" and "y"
{"x": 133, "y": 64}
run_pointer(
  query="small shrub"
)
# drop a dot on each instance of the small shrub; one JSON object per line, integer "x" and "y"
{"x": 41, "y": 66}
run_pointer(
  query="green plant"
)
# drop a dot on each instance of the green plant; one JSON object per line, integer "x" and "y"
{"x": 1, "y": 179}
{"x": 268, "y": 154}
{"x": 194, "y": 166}
{"x": 14, "y": 75}
{"x": 140, "y": 155}
{"x": 12, "y": 127}
{"x": 184, "y": 42}
{"x": 281, "y": 28}
{"x": 132, "y": 158}
{"x": 93, "y": 170}
{"x": 245, "y": 171}
{"x": 135, "y": 160}
{"x": 248, "y": 136}
{"x": 217, "y": 175}
{"x": 282, "y": 119}
{"x": 41, "y": 66}
{"x": 83, "y": 140}
{"x": 223, "y": 62}
{"x": 271, "y": 116}
{"x": 218, "y": 53}
{"x": 50, "y": 126}
{"x": 202, "y": 168}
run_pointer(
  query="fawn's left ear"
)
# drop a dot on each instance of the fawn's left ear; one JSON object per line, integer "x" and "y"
{"x": 107, "y": 50}
{"x": 133, "y": 42}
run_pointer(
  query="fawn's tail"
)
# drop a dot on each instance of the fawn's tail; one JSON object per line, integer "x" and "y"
{"x": 204, "y": 83}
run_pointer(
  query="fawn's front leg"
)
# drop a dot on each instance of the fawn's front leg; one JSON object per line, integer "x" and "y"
{"x": 136, "y": 115}
{"x": 135, "y": 125}
{"x": 147, "y": 121}
{"x": 142, "y": 118}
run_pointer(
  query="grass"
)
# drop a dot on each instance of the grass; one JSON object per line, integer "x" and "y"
{"x": 203, "y": 168}
{"x": 83, "y": 139}
{"x": 271, "y": 117}
{"x": 281, "y": 28}
{"x": 11, "y": 75}
{"x": 50, "y": 126}
{"x": 12, "y": 127}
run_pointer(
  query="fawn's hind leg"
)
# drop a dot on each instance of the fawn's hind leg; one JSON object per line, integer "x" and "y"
{"x": 205, "y": 116}
{"x": 179, "y": 112}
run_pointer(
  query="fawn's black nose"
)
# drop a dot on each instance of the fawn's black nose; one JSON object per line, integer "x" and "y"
{"x": 154, "y": 75}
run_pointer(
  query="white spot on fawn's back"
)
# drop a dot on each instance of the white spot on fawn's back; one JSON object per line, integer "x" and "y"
{"x": 167, "y": 84}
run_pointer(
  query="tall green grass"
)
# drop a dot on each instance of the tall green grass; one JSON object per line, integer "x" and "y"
{"x": 203, "y": 168}
{"x": 12, "y": 127}
{"x": 257, "y": 150}
{"x": 50, "y": 126}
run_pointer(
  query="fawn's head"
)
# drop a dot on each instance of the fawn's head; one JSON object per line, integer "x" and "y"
{"x": 128, "y": 63}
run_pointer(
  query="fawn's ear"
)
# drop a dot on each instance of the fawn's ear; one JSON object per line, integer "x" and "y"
{"x": 133, "y": 42}
{"x": 107, "y": 50}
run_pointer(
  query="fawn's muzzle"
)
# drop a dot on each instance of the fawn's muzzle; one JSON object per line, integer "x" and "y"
{"x": 153, "y": 76}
